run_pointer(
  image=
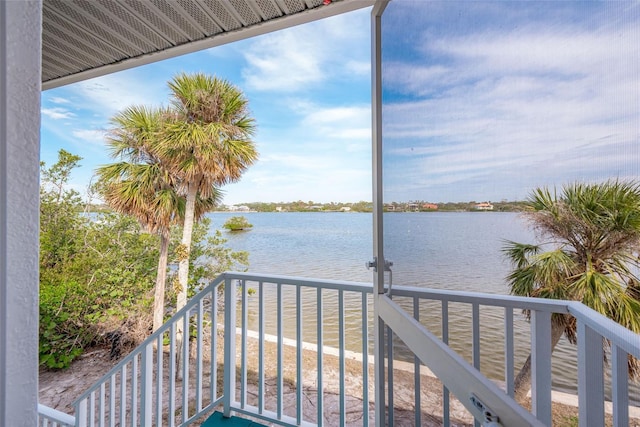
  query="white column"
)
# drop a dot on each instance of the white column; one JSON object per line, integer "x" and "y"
{"x": 378, "y": 245}
{"x": 20, "y": 41}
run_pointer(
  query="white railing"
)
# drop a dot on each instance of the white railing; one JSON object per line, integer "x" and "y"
{"x": 594, "y": 330}
{"x": 146, "y": 388}
{"x": 459, "y": 375}
{"x": 49, "y": 417}
{"x": 295, "y": 307}
{"x": 271, "y": 350}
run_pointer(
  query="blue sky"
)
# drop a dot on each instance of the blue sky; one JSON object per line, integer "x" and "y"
{"x": 308, "y": 89}
{"x": 488, "y": 100}
{"x": 482, "y": 101}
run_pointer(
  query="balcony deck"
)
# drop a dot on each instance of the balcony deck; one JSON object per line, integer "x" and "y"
{"x": 270, "y": 374}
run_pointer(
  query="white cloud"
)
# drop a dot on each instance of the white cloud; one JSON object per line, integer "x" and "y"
{"x": 358, "y": 68}
{"x": 58, "y": 113}
{"x": 292, "y": 59}
{"x": 284, "y": 61}
{"x": 89, "y": 135}
{"x": 114, "y": 92}
{"x": 59, "y": 100}
{"x": 289, "y": 178}
{"x": 348, "y": 122}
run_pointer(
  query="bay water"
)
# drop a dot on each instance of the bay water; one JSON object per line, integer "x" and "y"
{"x": 440, "y": 250}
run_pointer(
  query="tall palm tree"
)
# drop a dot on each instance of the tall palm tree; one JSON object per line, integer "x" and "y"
{"x": 207, "y": 142}
{"x": 590, "y": 237}
{"x": 142, "y": 187}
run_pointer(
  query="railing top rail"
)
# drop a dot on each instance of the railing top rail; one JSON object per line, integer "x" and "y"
{"x": 528, "y": 303}
{"x": 617, "y": 334}
{"x": 154, "y": 336}
{"x": 302, "y": 281}
{"x": 55, "y": 415}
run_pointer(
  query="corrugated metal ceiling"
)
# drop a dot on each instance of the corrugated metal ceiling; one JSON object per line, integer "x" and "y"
{"x": 87, "y": 38}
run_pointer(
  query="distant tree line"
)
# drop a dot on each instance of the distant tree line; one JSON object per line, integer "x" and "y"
{"x": 308, "y": 206}
{"x": 363, "y": 206}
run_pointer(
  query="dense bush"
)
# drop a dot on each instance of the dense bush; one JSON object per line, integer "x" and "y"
{"x": 97, "y": 271}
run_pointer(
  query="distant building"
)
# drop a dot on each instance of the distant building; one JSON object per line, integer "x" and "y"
{"x": 484, "y": 206}
{"x": 345, "y": 209}
{"x": 239, "y": 208}
{"x": 430, "y": 207}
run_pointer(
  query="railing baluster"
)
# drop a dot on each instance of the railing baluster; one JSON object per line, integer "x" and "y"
{"x": 172, "y": 375}
{"x": 279, "y": 395}
{"x": 134, "y": 391}
{"x": 416, "y": 369}
{"x": 341, "y": 344}
{"x": 81, "y": 417}
{"x": 541, "y": 365}
{"x": 590, "y": 377}
{"x": 390, "y": 375}
{"x": 229, "y": 346}
{"x": 446, "y": 421}
{"x": 101, "y": 408}
{"x": 92, "y": 409}
{"x": 261, "y": 347}
{"x": 243, "y": 346}
{"x": 619, "y": 386}
{"x": 123, "y": 395}
{"x": 185, "y": 366}
{"x": 299, "y": 382}
{"x": 112, "y": 401}
{"x": 199, "y": 331}
{"x": 365, "y": 361}
{"x": 509, "y": 364}
{"x": 475, "y": 327}
{"x": 146, "y": 387}
{"x": 213, "y": 387}
{"x": 320, "y": 353}
{"x": 159, "y": 378}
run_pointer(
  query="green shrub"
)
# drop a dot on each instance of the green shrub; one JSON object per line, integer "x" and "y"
{"x": 237, "y": 223}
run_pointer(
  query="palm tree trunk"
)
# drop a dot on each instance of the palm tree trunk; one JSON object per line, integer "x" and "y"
{"x": 161, "y": 279}
{"x": 183, "y": 266}
{"x": 522, "y": 383}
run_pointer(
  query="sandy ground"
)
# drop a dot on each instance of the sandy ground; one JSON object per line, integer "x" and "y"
{"x": 59, "y": 389}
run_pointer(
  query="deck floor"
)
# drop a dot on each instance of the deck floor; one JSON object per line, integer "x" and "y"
{"x": 217, "y": 419}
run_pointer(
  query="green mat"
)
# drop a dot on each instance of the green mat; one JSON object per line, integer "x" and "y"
{"x": 218, "y": 420}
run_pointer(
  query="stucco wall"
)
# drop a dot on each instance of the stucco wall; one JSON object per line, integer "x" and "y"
{"x": 20, "y": 34}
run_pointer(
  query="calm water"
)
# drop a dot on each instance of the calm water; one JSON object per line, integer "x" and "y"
{"x": 457, "y": 250}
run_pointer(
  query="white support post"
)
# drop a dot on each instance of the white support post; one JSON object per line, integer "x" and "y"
{"x": 20, "y": 56}
{"x": 590, "y": 377}
{"x": 541, "y": 365}
{"x": 378, "y": 246}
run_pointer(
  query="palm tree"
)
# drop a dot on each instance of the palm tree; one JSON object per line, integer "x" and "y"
{"x": 590, "y": 237}
{"x": 142, "y": 187}
{"x": 207, "y": 141}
